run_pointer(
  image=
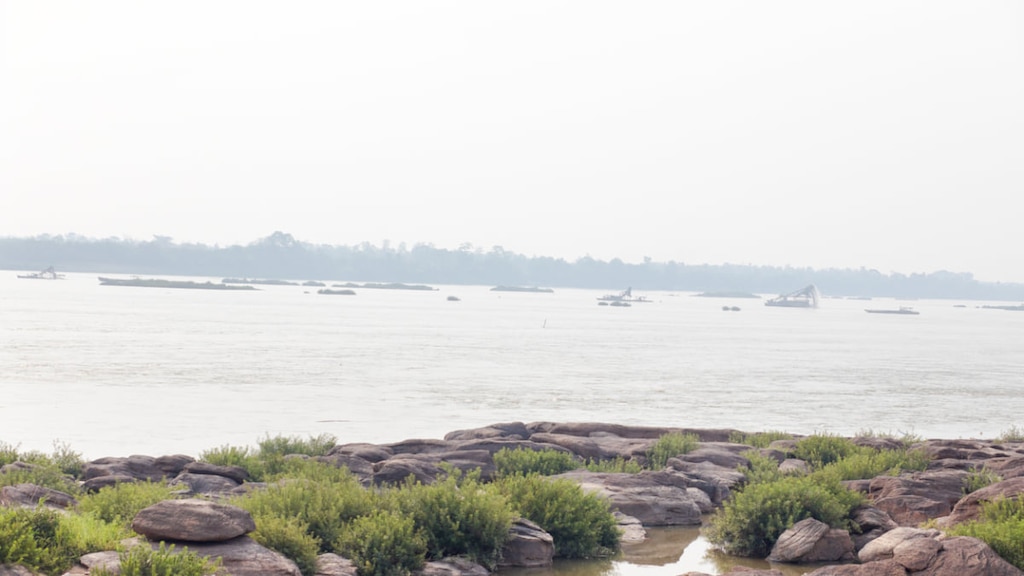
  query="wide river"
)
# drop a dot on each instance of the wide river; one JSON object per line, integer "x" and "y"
{"x": 114, "y": 371}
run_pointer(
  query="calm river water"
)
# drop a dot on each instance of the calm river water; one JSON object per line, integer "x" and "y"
{"x": 114, "y": 371}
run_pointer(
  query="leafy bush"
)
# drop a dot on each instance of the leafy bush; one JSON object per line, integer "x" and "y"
{"x": 821, "y": 449}
{"x": 618, "y": 465}
{"x": 1001, "y": 526}
{"x": 241, "y": 456}
{"x": 751, "y": 522}
{"x": 669, "y": 446}
{"x": 165, "y": 561}
{"x": 285, "y": 445}
{"x": 978, "y": 478}
{"x": 525, "y": 461}
{"x": 118, "y": 504}
{"x": 50, "y": 542}
{"x": 762, "y": 468}
{"x": 384, "y": 543}
{"x": 47, "y": 475}
{"x": 323, "y": 506}
{"x": 22, "y": 540}
{"x": 457, "y": 515}
{"x": 581, "y": 524}
{"x": 865, "y": 463}
{"x": 1012, "y": 434}
{"x": 759, "y": 439}
{"x": 8, "y": 453}
{"x": 289, "y": 537}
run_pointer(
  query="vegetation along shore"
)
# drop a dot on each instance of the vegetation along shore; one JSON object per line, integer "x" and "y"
{"x": 518, "y": 495}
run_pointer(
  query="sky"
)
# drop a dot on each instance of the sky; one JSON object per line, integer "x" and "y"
{"x": 886, "y": 135}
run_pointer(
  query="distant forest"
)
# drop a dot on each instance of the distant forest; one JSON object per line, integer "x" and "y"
{"x": 281, "y": 256}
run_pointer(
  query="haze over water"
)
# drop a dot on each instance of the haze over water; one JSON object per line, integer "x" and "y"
{"x": 115, "y": 371}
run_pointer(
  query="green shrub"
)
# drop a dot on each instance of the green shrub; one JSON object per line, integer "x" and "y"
{"x": 618, "y": 465}
{"x": 18, "y": 542}
{"x": 457, "y": 515}
{"x": 821, "y": 449}
{"x": 1001, "y": 526}
{"x": 978, "y": 478}
{"x": 289, "y": 537}
{"x": 1012, "y": 434}
{"x": 762, "y": 468}
{"x": 866, "y": 463}
{"x": 118, "y": 504}
{"x": 669, "y": 446}
{"x": 8, "y": 453}
{"x": 759, "y": 439}
{"x": 384, "y": 543}
{"x": 751, "y": 522}
{"x": 50, "y": 542}
{"x": 80, "y": 534}
{"x": 241, "y": 456}
{"x": 581, "y": 524}
{"x": 525, "y": 461}
{"x": 322, "y": 506}
{"x": 285, "y": 445}
{"x": 166, "y": 561}
{"x": 48, "y": 475}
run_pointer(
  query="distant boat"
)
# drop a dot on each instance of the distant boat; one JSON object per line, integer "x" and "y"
{"x": 901, "y": 310}
{"x": 730, "y": 308}
{"x": 625, "y": 296}
{"x": 807, "y": 297}
{"x": 453, "y": 298}
{"x": 522, "y": 289}
{"x": 48, "y": 274}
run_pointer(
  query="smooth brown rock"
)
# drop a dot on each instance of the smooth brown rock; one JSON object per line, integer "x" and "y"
{"x": 528, "y": 546}
{"x": 192, "y": 521}
{"x": 30, "y": 495}
{"x": 809, "y": 541}
{"x": 963, "y": 556}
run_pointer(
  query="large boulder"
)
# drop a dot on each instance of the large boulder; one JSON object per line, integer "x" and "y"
{"x": 528, "y": 546}
{"x": 716, "y": 481}
{"x": 31, "y": 495}
{"x": 963, "y": 555}
{"x": 883, "y": 547}
{"x": 427, "y": 467}
{"x": 597, "y": 447}
{"x": 880, "y": 568}
{"x": 193, "y": 521}
{"x": 969, "y": 507}
{"x": 809, "y": 541}
{"x": 360, "y": 467}
{"x": 204, "y": 483}
{"x": 243, "y": 556}
{"x": 512, "y": 430}
{"x": 913, "y": 498}
{"x": 137, "y": 467}
{"x": 235, "y": 473}
{"x": 655, "y": 498}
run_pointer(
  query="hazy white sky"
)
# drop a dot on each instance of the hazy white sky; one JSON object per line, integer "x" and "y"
{"x": 883, "y": 134}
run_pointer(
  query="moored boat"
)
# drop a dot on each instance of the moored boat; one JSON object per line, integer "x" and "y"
{"x": 48, "y": 274}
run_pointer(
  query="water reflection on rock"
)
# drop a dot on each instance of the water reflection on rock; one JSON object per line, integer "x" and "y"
{"x": 668, "y": 551}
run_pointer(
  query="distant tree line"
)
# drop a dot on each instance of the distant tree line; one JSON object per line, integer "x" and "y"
{"x": 281, "y": 256}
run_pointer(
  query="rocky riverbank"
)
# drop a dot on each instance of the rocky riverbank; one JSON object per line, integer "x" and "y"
{"x": 891, "y": 539}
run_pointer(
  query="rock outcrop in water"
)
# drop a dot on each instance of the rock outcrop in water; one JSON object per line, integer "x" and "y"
{"x": 690, "y": 485}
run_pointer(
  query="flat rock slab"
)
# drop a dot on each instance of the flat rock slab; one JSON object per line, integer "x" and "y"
{"x": 193, "y": 521}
